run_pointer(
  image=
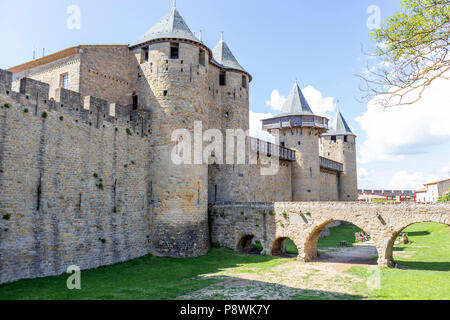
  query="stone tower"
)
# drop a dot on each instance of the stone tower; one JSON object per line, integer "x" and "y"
{"x": 172, "y": 83}
{"x": 299, "y": 128}
{"x": 233, "y": 89}
{"x": 339, "y": 144}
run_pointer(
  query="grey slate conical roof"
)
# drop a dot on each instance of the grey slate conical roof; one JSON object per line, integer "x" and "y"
{"x": 296, "y": 103}
{"x": 340, "y": 126}
{"x": 171, "y": 26}
{"x": 224, "y": 57}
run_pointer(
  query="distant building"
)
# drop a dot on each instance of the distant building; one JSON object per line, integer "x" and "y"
{"x": 370, "y": 195}
{"x": 433, "y": 191}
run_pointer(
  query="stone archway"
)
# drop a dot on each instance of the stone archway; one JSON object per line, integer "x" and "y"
{"x": 245, "y": 243}
{"x": 388, "y": 251}
{"x": 278, "y": 247}
{"x": 308, "y": 250}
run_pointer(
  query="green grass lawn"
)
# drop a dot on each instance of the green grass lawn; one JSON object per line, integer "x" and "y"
{"x": 427, "y": 259}
{"x": 148, "y": 277}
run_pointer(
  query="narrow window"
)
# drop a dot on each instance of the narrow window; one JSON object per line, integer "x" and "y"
{"x": 223, "y": 78}
{"x": 283, "y": 144}
{"x": 333, "y": 138}
{"x": 174, "y": 50}
{"x": 135, "y": 102}
{"x": 165, "y": 93}
{"x": 145, "y": 54}
{"x": 201, "y": 57}
{"x": 345, "y": 139}
{"x": 64, "y": 81}
{"x": 244, "y": 81}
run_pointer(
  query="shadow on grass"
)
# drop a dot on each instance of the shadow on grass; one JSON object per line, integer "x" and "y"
{"x": 145, "y": 278}
{"x": 424, "y": 266}
{"x": 418, "y": 233}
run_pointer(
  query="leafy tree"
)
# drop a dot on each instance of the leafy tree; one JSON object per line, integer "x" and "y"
{"x": 445, "y": 197}
{"x": 412, "y": 52}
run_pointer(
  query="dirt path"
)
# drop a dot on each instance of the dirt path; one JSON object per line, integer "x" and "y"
{"x": 324, "y": 278}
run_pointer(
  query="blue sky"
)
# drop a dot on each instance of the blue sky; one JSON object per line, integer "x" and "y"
{"x": 321, "y": 43}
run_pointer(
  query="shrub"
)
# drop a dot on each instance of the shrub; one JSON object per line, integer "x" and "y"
{"x": 6, "y": 217}
{"x": 444, "y": 198}
{"x": 284, "y": 214}
{"x": 272, "y": 213}
{"x": 129, "y": 132}
{"x": 44, "y": 115}
{"x": 100, "y": 186}
{"x": 6, "y": 105}
{"x": 95, "y": 175}
{"x": 61, "y": 118}
{"x": 25, "y": 110}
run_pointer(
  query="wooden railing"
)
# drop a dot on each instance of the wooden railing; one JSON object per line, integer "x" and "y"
{"x": 270, "y": 149}
{"x": 331, "y": 165}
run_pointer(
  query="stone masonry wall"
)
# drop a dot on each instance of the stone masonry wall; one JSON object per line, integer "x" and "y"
{"x": 329, "y": 183}
{"x": 245, "y": 183}
{"x": 51, "y": 74}
{"x": 73, "y": 183}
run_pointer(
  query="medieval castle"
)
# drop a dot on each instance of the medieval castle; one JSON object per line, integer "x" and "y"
{"x": 86, "y": 140}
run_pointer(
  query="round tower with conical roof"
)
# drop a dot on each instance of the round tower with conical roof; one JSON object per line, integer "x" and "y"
{"x": 231, "y": 89}
{"x": 299, "y": 128}
{"x": 171, "y": 67}
{"x": 339, "y": 144}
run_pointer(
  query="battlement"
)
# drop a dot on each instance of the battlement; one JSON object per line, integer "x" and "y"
{"x": 34, "y": 96}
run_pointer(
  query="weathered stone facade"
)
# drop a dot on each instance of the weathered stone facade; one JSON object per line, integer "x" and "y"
{"x": 87, "y": 176}
{"x": 71, "y": 183}
{"x": 271, "y": 223}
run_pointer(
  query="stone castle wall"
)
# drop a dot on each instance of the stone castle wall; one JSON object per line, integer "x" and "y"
{"x": 245, "y": 183}
{"x": 50, "y": 73}
{"x": 175, "y": 91}
{"x": 101, "y": 71}
{"x": 73, "y": 183}
{"x": 329, "y": 186}
{"x": 345, "y": 153}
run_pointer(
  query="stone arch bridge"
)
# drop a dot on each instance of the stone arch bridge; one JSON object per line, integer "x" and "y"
{"x": 234, "y": 225}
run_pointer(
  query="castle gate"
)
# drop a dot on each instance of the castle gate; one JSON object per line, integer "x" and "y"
{"x": 271, "y": 223}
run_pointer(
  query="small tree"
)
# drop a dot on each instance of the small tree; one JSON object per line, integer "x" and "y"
{"x": 445, "y": 197}
{"x": 412, "y": 52}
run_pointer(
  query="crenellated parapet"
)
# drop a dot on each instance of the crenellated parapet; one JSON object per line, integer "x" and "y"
{"x": 34, "y": 97}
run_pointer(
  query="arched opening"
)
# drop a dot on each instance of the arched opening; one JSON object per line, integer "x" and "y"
{"x": 340, "y": 242}
{"x": 246, "y": 244}
{"x": 421, "y": 246}
{"x": 284, "y": 247}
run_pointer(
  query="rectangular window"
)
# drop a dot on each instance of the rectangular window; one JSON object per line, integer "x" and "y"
{"x": 135, "y": 102}
{"x": 333, "y": 139}
{"x": 146, "y": 55}
{"x": 174, "y": 50}
{"x": 244, "y": 81}
{"x": 64, "y": 81}
{"x": 345, "y": 139}
{"x": 223, "y": 78}
{"x": 201, "y": 57}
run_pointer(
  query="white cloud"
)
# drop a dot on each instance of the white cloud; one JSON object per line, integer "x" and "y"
{"x": 363, "y": 174}
{"x": 320, "y": 105}
{"x": 256, "y": 126}
{"x": 276, "y": 100}
{"x": 406, "y": 130}
{"x": 404, "y": 180}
